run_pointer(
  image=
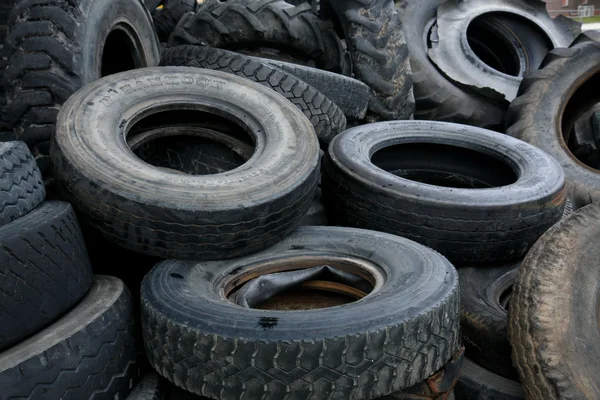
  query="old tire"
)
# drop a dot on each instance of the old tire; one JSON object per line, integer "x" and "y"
{"x": 477, "y": 383}
{"x": 45, "y": 270}
{"x": 54, "y": 48}
{"x": 325, "y": 116}
{"x": 436, "y": 97}
{"x": 173, "y": 215}
{"x": 88, "y": 351}
{"x": 239, "y": 24}
{"x": 398, "y": 335}
{"x": 379, "y": 55}
{"x": 166, "y": 18}
{"x": 21, "y": 185}
{"x": 350, "y": 95}
{"x": 549, "y": 103}
{"x": 555, "y": 338}
{"x": 462, "y": 211}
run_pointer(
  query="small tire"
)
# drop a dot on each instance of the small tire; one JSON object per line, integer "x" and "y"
{"x": 555, "y": 337}
{"x": 549, "y": 103}
{"x": 45, "y": 270}
{"x": 325, "y": 116}
{"x": 402, "y": 332}
{"x": 55, "y": 47}
{"x": 90, "y": 350}
{"x": 477, "y": 383}
{"x": 173, "y": 215}
{"x": 21, "y": 185}
{"x": 498, "y": 221}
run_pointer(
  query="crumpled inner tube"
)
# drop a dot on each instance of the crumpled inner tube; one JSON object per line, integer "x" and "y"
{"x": 264, "y": 287}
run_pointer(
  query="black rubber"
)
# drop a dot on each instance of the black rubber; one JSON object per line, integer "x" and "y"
{"x": 436, "y": 97}
{"x": 173, "y": 215}
{"x": 473, "y": 195}
{"x": 477, "y": 383}
{"x": 326, "y": 117}
{"x": 54, "y": 47}
{"x": 149, "y": 388}
{"x": 554, "y": 316}
{"x": 379, "y": 54}
{"x": 5, "y": 9}
{"x": 239, "y": 24}
{"x": 87, "y": 354}
{"x": 395, "y": 337}
{"x": 166, "y": 18}
{"x": 350, "y": 95}
{"x": 549, "y": 103}
{"x": 484, "y": 296}
{"x": 316, "y": 215}
{"x": 21, "y": 185}
{"x": 45, "y": 270}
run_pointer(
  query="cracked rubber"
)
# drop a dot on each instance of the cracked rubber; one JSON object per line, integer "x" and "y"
{"x": 53, "y": 49}
{"x": 166, "y": 18}
{"x": 436, "y": 97}
{"x": 498, "y": 223}
{"x": 87, "y": 354}
{"x": 149, "y": 388}
{"x": 393, "y": 338}
{"x": 553, "y": 323}
{"x": 379, "y": 55}
{"x": 44, "y": 270}
{"x": 477, "y": 383}
{"x": 21, "y": 185}
{"x": 173, "y": 215}
{"x": 239, "y": 24}
{"x": 325, "y": 116}
{"x": 561, "y": 91}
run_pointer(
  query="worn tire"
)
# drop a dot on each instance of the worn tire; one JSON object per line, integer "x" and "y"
{"x": 21, "y": 185}
{"x": 238, "y": 24}
{"x": 166, "y": 18}
{"x": 149, "y": 388}
{"x": 45, "y": 270}
{"x": 497, "y": 223}
{"x": 54, "y": 47}
{"x": 350, "y": 95}
{"x": 379, "y": 55}
{"x": 477, "y": 383}
{"x": 436, "y": 97}
{"x": 395, "y": 337}
{"x": 87, "y": 354}
{"x": 560, "y": 91}
{"x": 170, "y": 215}
{"x": 555, "y": 338}
{"x": 325, "y": 116}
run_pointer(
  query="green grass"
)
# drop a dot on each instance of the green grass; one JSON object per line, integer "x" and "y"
{"x": 589, "y": 20}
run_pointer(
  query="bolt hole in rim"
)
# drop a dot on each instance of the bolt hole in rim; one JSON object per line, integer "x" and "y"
{"x": 308, "y": 295}
{"x": 444, "y": 165}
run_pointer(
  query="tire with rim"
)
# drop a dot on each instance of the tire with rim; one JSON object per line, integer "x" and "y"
{"x": 325, "y": 116}
{"x": 555, "y": 338}
{"x": 477, "y": 383}
{"x": 173, "y": 215}
{"x": 89, "y": 352}
{"x": 549, "y": 103}
{"x": 473, "y": 195}
{"x": 57, "y": 47}
{"x": 21, "y": 186}
{"x": 399, "y": 334}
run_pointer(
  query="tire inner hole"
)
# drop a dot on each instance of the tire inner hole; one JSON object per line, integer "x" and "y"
{"x": 190, "y": 142}
{"x": 118, "y": 53}
{"x": 444, "y": 165}
{"x": 505, "y": 297}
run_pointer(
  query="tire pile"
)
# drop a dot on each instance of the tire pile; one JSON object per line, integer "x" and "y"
{"x": 261, "y": 199}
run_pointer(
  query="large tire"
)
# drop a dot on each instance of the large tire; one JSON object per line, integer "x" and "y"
{"x": 553, "y": 323}
{"x": 87, "y": 354}
{"x": 238, "y": 24}
{"x": 173, "y": 215}
{"x": 325, "y": 116}
{"x": 436, "y": 97}
{"x": 166, "y": 18}
{"x": 55, "y": 47}
{"x": 448, "y": 212}
{"x": 21, "y": 185}
{"x": 477, "y": 383}
{"x": 549, "y": 103}
{"x": 398, "y": 335}
{"x": 45, "y": 270}
{"x": 379, "y": 54}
